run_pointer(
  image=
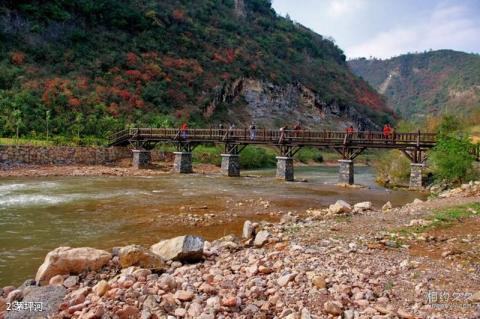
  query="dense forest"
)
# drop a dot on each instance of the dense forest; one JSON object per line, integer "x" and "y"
{"x": 87, "y": 68}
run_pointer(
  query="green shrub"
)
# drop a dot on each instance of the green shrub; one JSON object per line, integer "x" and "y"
{"x": 392, "y": 168}
{"x": 452, "y": 160}
{"x": 207, "y": 155}
{"x": 309, "y": 154}
{"x": 257, "y": 157}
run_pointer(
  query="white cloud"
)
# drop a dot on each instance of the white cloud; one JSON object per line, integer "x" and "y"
{"x": 448, "y": 26}
{"x": 337, "y": 8}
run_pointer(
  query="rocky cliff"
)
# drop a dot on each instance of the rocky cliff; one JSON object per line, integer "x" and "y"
{"x": 270, "y": 105}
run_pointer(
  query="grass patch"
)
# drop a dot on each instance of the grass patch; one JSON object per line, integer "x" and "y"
{"x": 25, "y": 141}
{"x": 207, "y": 155}
{"x": 444, "y": 218}
{"x": 252, "y": 157}
{"x": 55, "y": 141}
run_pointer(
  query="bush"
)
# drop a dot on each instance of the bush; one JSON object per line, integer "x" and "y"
{"x": 256, "y": 157}
{"x": 207, "y": 155}
{"x": 392, "y": 169}
{"x": 308, "y": 154}
{"x": 452, "y": 160}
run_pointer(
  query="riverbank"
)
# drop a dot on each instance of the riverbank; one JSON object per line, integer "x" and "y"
{"x": 122, "y": 169}
{"x": 416, "y": 261}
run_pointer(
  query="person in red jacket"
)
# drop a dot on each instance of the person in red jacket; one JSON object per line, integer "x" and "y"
{"x": 184, "y": 130}
{"x": 386, "y": 131}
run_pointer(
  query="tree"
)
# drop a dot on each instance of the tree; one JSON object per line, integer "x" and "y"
{"x": 17, "y": 117}
{"x": 47, "y": 119}
{"x": 77, "y": 126}
{"x": 451, "y": 157}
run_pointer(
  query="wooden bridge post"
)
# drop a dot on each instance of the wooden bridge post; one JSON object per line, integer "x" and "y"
{"x": 141, "y": 158}
{"x": 183, "y": 162}
{"x": 346, "y": 172}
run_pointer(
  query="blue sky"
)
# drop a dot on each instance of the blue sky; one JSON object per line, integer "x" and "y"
{"x": 386, "y": 28}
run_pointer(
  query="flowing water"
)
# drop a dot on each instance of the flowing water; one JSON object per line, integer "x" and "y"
{"x": 39, "y": 214}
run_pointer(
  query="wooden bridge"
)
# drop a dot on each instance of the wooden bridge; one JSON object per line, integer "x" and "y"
{"x": 288, "y": 143}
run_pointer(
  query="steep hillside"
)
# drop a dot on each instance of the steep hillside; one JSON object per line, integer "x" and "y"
{"x": 97, "y": 66}
{"x": 417, "y": 85}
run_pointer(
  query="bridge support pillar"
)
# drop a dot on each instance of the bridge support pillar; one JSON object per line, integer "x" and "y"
{"x": 285, "y": 168}
{"x": 416, "y": 170}
{"x": 183, "y": 162}
{"x": 231, "y": 165}
{"x": 141, "y": 159}
{"x": 346, "y": 172}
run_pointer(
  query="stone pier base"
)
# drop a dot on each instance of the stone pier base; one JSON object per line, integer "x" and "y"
{"x": 141, "y": 159}
{"x": 285, "y": 168}
{"x": 182, "y": 163}
{"x": 416, "y": 170}
{"x": 346, "y": 173}
{"x": 231, "y": 165}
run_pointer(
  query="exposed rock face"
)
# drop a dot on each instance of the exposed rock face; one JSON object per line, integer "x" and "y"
{"x": 66, "y": 260}
{"x": 136, "y": 255}
{"x": 182, "y": 248}
{"x": 288, "y": 104}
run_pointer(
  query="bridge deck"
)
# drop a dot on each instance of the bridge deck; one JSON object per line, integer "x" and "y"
{"x": 275, "y": 137}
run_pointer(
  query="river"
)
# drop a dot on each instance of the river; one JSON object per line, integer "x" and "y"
{"x": 39, "y": 214}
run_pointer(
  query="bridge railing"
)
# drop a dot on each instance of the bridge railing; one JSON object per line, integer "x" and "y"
{"x": 271, "y": 136}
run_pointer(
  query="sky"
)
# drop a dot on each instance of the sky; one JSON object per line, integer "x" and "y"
{"x": 386, "y": 28}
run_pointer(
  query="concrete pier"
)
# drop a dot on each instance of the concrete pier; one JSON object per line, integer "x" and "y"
{"x": 182, "y": 163}
{"x": 416, "y": 171}
{"x": 346, "y": 172}
{"x": 231, "y": 165}
{"x": 285, "y": 168}
{"x": 141, "y": 159}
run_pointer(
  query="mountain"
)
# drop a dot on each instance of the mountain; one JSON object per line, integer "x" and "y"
{"x": 430, "y": 83}
{"x": 98, "y": 66}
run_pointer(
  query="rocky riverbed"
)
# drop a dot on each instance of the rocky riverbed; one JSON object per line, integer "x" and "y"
{"x": 125, "y": 169}
{"x": 345, "y": 261}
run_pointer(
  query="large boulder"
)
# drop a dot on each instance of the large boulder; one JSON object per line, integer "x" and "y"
{"x": 182, "y": 248}
{"x": 136, "y": 255}
{"x": 362, "y": 206}
{"x": 261, "y": 238}
{"x": 340, "y": 207}
{"x": 45, "y": 302}
{"x": 248, "y": 231}
{"x": 66, "y": 260}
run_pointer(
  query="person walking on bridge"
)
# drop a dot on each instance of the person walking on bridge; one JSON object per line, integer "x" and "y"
{"x": 386, "y": 131}
{"x": 221, "y": 130}
{"x": 231, "y": 129}
{"x": 350, "y": 132}
{"x": 296, "y": 129}
{"x": 184, "y": 130}
{"x": 283, "y": 130}
{"x": 252, "y": 131}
